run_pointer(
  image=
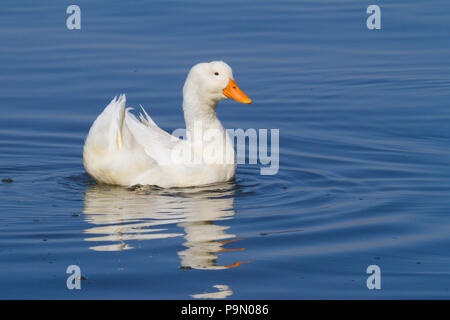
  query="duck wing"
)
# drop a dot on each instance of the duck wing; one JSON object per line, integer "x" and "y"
{"x": 157, "y": 143}
{"x": 120, "y": 134}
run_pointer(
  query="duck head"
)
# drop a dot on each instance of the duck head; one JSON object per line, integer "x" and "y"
{"x": 208, "y": 83}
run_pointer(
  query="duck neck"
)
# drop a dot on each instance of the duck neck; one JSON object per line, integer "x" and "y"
{"x": 208, "y": 139}
{"x": 200, "y": 116}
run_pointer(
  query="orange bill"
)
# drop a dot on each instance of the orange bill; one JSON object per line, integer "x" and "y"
{"x": 232, "y": 91}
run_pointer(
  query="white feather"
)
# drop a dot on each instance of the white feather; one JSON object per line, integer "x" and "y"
{"x": 124, "y": 150}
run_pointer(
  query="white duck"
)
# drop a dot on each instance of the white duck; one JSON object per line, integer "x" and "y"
{"x": 122, "y": 150}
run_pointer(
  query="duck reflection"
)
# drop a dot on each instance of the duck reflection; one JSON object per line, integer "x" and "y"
{"x": 124, "y": 215}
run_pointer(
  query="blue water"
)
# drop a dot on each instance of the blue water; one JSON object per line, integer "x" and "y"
{"x": 364, "y": 174}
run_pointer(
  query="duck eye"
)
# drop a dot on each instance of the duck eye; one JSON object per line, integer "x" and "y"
{"x": 216, "y": 73}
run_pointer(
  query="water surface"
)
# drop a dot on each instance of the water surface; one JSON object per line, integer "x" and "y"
{"x": 364, "y": 151}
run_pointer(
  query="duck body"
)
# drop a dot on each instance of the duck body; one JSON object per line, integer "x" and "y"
{"x": 121, "y": 149}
